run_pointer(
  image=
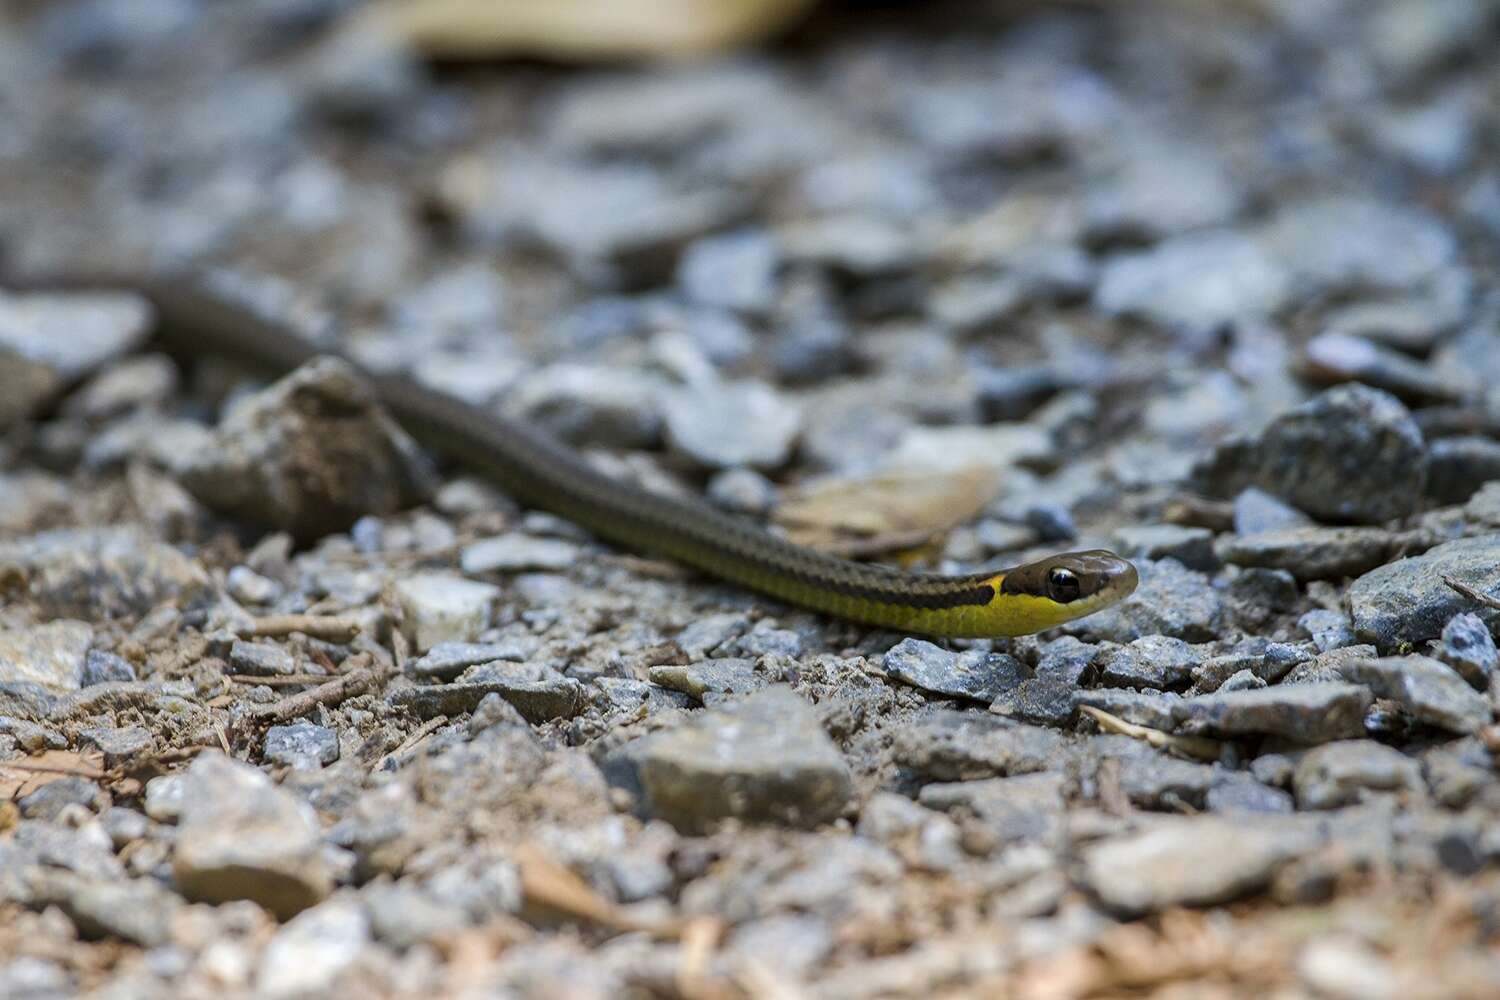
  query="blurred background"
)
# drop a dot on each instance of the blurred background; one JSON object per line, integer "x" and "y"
{"x": 1137, "y": 226}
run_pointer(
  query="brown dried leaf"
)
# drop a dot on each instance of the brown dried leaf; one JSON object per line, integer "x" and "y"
{"x": 884, "y": 513}
{"x": 578, "y": 30}
{"x": 22, "y": 777}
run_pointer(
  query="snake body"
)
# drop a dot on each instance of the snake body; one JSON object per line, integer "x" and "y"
{"x": 539, "y": 471}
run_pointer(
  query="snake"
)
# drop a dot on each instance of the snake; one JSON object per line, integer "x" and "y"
{"x": 539, "y": 471}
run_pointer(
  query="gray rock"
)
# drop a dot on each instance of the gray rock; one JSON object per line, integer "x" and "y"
{"x": 264, "y": 659}
{"x": 301, "y": 745}
{"x": 1301, "y": 713}
{"x": 441, "y": 607}
{"x": 52, "y": 798}
{"x": 1484, "y": 507}
{"x": 1430, "y": 689}
{"x": 1331, "y": 358}
{"x": 1143, "y": 708}
{"x": 75, "y": 333}
{"x": 103, "y": 667}
{"x": 764, "y": 640}
{"x": 307, "y": 955}
{"x": 973, "y": 674}
{"x": 137, "y": 382}
{"x": 721, "y": 426}
{"x": 592, "y": 405}
{"x": 743, "y": 491}
{"x": 1467, "y": 646}
{"x": 953, "y": 449}
{"x": 311, "y": 454}
{"x": 119, "y": 744}
{"x": 517, "y": 553}
{"x": 1238, "y": 797}
{"x": 1315, "y": 553}
{"x": 1186, "y": 862}
{"x": 1457, "y": 467}
{"x": 51, "y": 655}
{"x": 1046, "y": 698}
{"x": 447, "y": 660}
{"x": 1198, "y": 281}
{"x": 97, "y": 573}
{"x": 1193, "y": 547}
{"x": 1266, "y": 661}
{"x": 1328, "y": 629}
{"x": 1338, "y": 774}
{"x": 1351, "y": 453}
{"x": 402, "y": 915}
{"x": 1028, "y": 808}
{"x": 1171, "y": 600}
{"x": 138, "y": 911}
{"x": 249, "y": 587}
{"x": 1157, "y": 662}
{"x": 84, "y": 849}
{"x": 732, "y": 271}
{"x": 764, "y": 759}
{"x": 963, "y": 746}
{"x": 1330, "y": 244}
{"x": 536, "y": 690}
{"x": 1151, "y": 185}
{"x": 797, "y": 943}
{"x": 710, "y": 680}
{"x": 811, "y": 349}
{"x": 1256, "y": 511}
{"x": 241, "y": 837}
{"x": 1406, "y": 602}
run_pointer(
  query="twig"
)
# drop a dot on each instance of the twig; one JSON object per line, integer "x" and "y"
{"x": 332, "y": 693}
{"x": 76, "y": 772}
{"x": 1472, "y": 594}
{"x": 418, "y": 735}
{"x": 326, "y": 627}
{"x": 279, "y": 680}
{"x": 1191, "y": 747}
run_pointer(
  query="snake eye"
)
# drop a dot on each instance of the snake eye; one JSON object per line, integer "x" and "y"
{"x": 1062, "y": 585}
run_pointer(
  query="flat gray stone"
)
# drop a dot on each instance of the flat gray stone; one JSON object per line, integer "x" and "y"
{"x": 74, "y": 333}
{"x": 974, "y": 673}
{"x": 947, "y": 745}
{"x": 721, "y": 426}
{"x": 1157, "y": 662}
{"x": 1315, "y": 553}
{"x": 1193, "y": 547}
{"x": 764, "y": 759}
{"x": 1406, "y": 602}
{"x": 1467, "y": 646}
{"x": 52, "y": 655}
{"x": 1186, "y": 862}
{"x": 1428, "y": 688}
{"x": 112, "y": 572}
{"x": 1338, "y": 774}
{"x": 517, "y": 553}
{"x": 301, "y": 745}
{"x": 442, "y": 607}
{"x": 449, "y": 659}
{"x": 1302, "y": 713}
{"x": 1350, "y": 454}
{"x": 264, "y": 659}
{"x": 536, "y": 690}
{"x": 306, "y": 956}
{"x": 241, "y": 837}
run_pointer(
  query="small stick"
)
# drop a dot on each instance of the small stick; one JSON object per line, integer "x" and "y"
{"x": 418, "y": 735}
{"x": 329, "y": 628}
{"x": 332, "y": 693}
{"x": 279, "y": 680}
{"x": 1472, "y": 594}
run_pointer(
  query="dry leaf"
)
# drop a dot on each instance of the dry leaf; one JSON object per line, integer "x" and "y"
{"x": 577, "y": 30}
{"x": 884, "y": 513}
{"x": 22, "y": 777}
{"x": 1191, "y": 747}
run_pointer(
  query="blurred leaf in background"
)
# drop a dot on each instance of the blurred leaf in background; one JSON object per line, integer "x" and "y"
{"x": 579, "y": 30}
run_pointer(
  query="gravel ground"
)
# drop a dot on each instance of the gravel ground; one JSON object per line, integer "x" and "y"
{"x": 301, "y": 712}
